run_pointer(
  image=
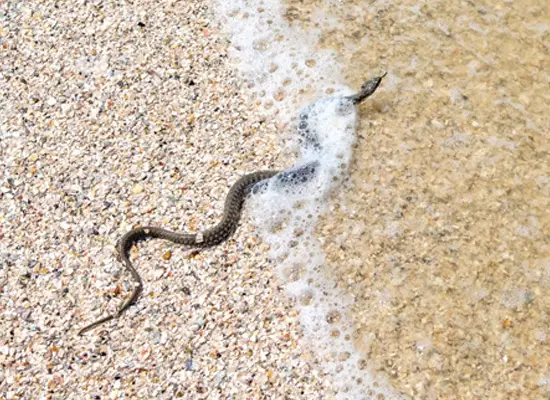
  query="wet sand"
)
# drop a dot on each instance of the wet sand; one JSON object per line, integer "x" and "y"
{"x": 442, "y": 231}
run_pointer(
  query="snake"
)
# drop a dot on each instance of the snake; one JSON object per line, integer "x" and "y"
{"x": 234, "y": 201}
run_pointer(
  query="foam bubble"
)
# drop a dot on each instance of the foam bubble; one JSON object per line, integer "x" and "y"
{"x": 284, "y": 69}
{"x": 286, "y": 209}
{"x": 278, "y": 60}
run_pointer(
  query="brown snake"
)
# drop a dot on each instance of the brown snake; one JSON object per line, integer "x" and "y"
{"x": 210, "y": 237}
{"x": 231, "y": 213}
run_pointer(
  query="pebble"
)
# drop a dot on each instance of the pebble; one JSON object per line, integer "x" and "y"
{"x": 137, "y": 189}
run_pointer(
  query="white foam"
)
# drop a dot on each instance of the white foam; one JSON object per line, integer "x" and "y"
{"x": 284, "y": 69}
{"x": 278, "y": 60}
{"x": 286, "y": 216}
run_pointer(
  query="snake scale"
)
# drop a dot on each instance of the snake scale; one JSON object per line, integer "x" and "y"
{"x": 232, "y": 207}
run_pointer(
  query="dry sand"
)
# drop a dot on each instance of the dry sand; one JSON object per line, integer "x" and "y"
{"x": 114, "y": 115}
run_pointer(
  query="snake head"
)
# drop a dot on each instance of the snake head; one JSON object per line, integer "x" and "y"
{"x": 368, "y": 88}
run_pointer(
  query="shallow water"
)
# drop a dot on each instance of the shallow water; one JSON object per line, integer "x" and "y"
{"x": 442, "y": 233}
{"x": 439, "y": 239}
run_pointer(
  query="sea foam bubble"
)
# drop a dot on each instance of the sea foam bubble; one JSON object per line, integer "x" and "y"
{"x": 279, "y": 61}
{"x": 284, "y": 69}
{"x": 286, "y": 211}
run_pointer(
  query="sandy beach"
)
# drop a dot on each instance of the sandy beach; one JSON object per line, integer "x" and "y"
{"x": 115, "y": 115}
{"x": 119, "y": 115}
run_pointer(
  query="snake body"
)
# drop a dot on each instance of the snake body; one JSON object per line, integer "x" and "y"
{"x": 233, "y": 204}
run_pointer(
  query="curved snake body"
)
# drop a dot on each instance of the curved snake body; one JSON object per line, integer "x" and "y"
{"x": 233, "y": 203}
